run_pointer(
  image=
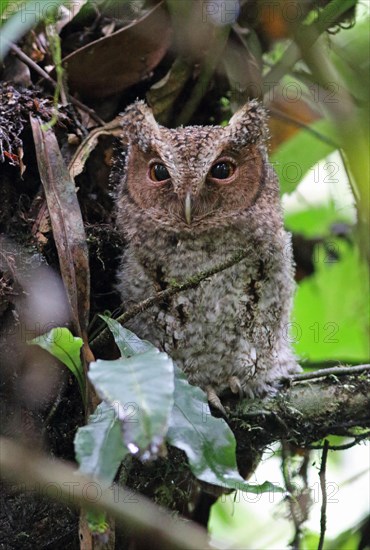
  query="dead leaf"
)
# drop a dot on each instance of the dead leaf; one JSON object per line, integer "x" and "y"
{"x": 67, "y": 224}
{"x": 115, "y": 62}
{"x": 77, "y": 163}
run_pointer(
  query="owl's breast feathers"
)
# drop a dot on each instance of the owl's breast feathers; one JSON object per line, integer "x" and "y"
{"x": 235, "y": 323}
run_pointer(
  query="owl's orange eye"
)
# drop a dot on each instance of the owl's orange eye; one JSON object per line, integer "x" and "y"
{"x": 222, "y": 170}
{"x": 158, "y": 172}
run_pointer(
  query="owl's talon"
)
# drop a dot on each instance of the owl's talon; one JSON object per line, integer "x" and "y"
{"x": 235, "y": 386}
{"x": 214, "y": 400}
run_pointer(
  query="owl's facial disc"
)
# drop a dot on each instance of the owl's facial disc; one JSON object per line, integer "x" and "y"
{"x": 195, "y": 188}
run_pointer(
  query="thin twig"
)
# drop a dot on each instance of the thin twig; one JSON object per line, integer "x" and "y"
{"x": 336, "y": 371}
{"x": 176, "y": 287}
{"x": 315, "y": 365}
{"x": 322, "y": 476}
{"x": 28, "y": 61}
{"x": 344, "y": 447}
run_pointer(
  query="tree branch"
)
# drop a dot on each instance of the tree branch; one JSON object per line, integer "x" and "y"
{"x": 132, "y": 510}
{"x": 336, "y": 371}
{"x": 306, "y": 412}
{"x": 355, "y": 441}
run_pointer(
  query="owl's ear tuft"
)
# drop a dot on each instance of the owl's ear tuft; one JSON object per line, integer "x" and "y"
{"x": 248, "y": 124}
{"x": 139, "y": 125}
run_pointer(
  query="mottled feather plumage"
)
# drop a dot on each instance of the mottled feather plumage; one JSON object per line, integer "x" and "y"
{"x": 232, "y": 330}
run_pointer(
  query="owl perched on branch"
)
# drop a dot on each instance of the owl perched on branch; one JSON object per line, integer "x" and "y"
{"x": 189, "y": 199}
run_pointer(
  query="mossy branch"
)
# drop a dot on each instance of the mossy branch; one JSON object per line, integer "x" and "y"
{"x": 308, "y": 410}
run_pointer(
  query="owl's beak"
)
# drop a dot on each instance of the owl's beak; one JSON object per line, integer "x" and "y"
{"x": 188, "y": 208}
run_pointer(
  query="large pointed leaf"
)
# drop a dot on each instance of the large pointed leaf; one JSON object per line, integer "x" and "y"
{"x": 117, "y": 61}
{"x": 99, "y": 445}
{"x": 207, "y": 441}
{"x": 141, "y": 389}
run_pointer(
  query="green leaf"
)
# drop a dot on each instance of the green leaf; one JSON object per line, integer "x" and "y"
{"x": 61, "y": 343}
{"x": 330, "y": 316}
{"x": 140, "y": 388}
{"x": 20, "y": 18}
{"x": 350, "y": 538}
{"x": 297, "y": 155}
{"x": 128, "y": 343}
{"x": 315, "y": 221}
{"x": 207, "y": 441}
{"x": 99, "y": 445}
{"x": 97, "y": 522}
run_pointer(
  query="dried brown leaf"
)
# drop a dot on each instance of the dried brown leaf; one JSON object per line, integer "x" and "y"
{"x": 115, "y": 62}
{"x": 82, "y": 153}
{"x": 66, "y": 221}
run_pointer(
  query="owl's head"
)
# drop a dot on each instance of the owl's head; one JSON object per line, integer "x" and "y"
{"x": 190, "y": 179}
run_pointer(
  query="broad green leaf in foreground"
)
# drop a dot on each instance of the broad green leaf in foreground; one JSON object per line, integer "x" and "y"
{"x": 99, "y": 445}
{"x": 140, "y": 388}
{"x": 61, "y": 343}
{"x": 207, "y": 441}
{"x": 99, "y": 450}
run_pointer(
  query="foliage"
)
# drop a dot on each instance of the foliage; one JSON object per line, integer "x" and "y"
{"x": 293, "y": 159}
{"x": 61, "y": 343}
{"x": 140, "y": 401}
{"x": 328, "y": 327}
{"x": 146, "y": 400}
{"x": 133, "y": 406}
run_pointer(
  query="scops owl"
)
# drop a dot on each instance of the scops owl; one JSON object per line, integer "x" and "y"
{"x": 189, "y": 199}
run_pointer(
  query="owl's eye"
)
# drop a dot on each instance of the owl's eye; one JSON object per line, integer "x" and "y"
{"x": 222, "y": 170}
{"x": 158, "y": 172}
